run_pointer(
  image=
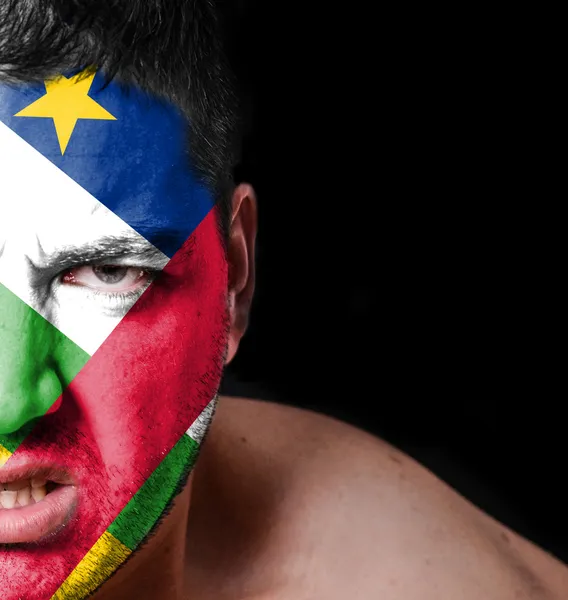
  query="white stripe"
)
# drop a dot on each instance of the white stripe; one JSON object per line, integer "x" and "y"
{"x": 200, "y": 426}
{"x": 43, "y": 210}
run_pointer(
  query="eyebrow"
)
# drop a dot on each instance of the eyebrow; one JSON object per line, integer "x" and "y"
{"x": 103, "y": 249}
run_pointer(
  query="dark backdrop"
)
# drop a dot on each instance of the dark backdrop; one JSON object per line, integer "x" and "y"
{"x": 391, "y": 286}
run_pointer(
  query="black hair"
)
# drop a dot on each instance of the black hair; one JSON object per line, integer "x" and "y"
{"x": 171, "y": 48}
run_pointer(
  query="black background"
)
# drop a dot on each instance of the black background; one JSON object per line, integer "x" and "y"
{"x": 393, "y": 289}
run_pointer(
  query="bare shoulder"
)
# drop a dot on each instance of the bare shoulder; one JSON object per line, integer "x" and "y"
{"x": 322, "y": 509}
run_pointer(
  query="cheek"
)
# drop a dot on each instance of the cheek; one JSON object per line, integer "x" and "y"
{"x": 131, "y": 404}
{"x": 163, "y": 364}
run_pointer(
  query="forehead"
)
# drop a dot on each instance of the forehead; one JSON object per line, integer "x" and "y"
{"x": 47, "y": 210}
{"x": 123, "y": 147}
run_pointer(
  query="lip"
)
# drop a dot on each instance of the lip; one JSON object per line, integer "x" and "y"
{"x": 36, "y": 521}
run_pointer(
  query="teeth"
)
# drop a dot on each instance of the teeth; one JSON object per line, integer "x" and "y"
{"x": 24, "y": 496}
{"x": 38, "y": 493}
{"x": 37, "y": 483}
{"x": 8, "y": 498}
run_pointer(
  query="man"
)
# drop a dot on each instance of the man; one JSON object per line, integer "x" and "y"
{"x": 126, "y": 277}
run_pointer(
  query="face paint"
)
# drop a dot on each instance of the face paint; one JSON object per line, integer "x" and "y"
{"x": 113, "y": 284}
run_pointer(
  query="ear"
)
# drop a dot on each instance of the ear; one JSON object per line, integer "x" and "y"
{"x": 240, "y": 254}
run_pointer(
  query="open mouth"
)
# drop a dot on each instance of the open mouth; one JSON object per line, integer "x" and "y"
{"x": 34, "y": 507}
{"x": 17, "y": 494}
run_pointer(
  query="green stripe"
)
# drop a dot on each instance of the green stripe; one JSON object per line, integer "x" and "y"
{"x": 37, "y": 362}
{"x": 11, "y": 441}
{"x": 142, "y": 512}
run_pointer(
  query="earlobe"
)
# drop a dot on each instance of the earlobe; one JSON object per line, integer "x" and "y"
{"x": 232, "y": 348}
{"x": 240, "y": 254}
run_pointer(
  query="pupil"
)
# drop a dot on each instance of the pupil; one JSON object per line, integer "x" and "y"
{"x": 110, "y": 274}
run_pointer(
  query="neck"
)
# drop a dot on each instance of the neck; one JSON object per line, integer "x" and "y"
{"x": 157, "y": 569}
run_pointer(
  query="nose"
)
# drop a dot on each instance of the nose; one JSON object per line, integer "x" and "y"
{"x": 29, "y": 380}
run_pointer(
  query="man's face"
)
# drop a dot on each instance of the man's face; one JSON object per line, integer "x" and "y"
{"x": 113, "y": 327}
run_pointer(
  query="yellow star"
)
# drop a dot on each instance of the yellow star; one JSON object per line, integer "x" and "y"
{"x": 65, "y": 102}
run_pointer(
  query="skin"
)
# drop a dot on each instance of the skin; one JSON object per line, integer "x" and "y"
{"x": 99, "y": 430}
{"x": 275, "y": 510}
{"x": 390, "y": 529}
{"x": 160, "y": 566}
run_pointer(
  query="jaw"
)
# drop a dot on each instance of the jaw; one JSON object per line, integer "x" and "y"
{"x": 157, "y": 568}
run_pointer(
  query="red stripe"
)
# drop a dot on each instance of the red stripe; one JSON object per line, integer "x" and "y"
{"x": 127, "y": 408}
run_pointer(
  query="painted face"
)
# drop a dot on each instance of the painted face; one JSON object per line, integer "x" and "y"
{"x": 113, "y": 328}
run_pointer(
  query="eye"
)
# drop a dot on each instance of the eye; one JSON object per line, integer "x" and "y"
{"x": 108, "y": 278}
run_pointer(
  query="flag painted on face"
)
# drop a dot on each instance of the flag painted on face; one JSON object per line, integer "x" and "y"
{"x": 139, "y": 516}
{"x": 113, "y": 285}
{"x": 142, "y": 170}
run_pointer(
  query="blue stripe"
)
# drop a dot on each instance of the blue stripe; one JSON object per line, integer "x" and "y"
{"x": 138, "y": 166}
